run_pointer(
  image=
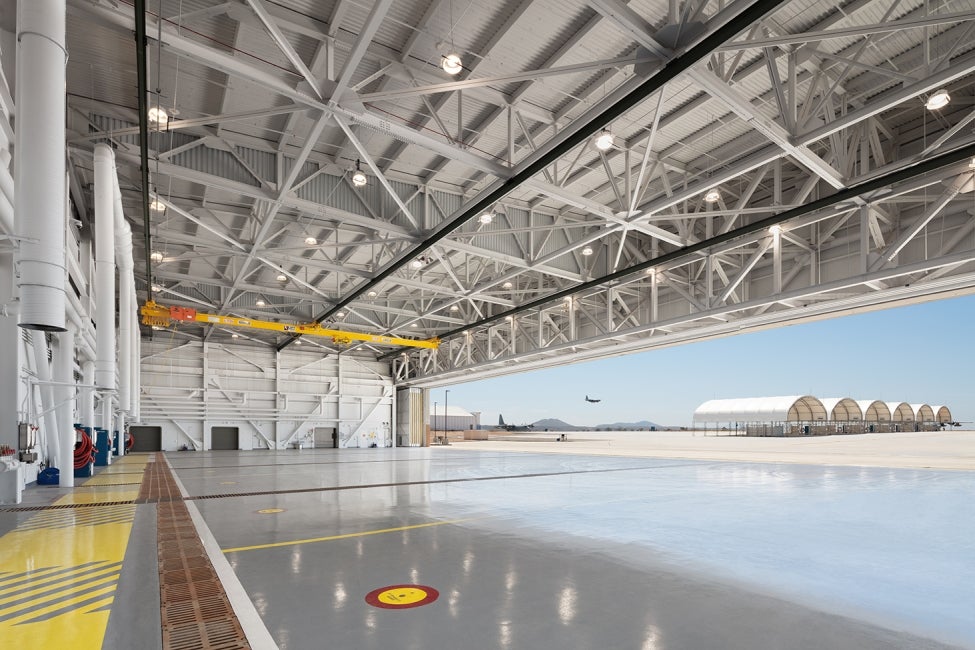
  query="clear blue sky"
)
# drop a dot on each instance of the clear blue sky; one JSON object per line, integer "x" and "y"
{"x": 921, "y": 353}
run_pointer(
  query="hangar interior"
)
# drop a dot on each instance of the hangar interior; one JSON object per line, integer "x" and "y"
{"x": 269, "y": 224}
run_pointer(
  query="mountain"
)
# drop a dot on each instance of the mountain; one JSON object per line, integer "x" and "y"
{"x": 626, "y": 426}
{"x": 553, "y": 424}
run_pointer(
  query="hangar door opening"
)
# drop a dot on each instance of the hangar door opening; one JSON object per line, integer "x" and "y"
{"x": 146, "y": 438}
{"x": 224, "y": 438}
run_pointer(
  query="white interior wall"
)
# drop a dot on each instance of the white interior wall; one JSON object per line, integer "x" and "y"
{"x": 276, "y": 399}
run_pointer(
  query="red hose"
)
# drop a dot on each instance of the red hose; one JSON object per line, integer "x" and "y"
{"x": 84, "y": 452}
{"x": 129, "y": 441}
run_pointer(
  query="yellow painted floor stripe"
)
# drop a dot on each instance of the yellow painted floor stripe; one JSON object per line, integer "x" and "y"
{"x": 332, "y": 538}
{"x": 80, "y": 561}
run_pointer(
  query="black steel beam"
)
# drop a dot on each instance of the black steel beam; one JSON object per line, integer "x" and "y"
{"x": 143, "y": 91}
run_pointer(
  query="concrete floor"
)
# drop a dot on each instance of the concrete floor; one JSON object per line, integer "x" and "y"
{"x": 540, "y": 551}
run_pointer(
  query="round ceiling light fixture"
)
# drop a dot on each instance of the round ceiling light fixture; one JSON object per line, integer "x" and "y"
{"x": 713, "y": 195}
{"x": 486, "y": 218}
{"x": 157, "y": 116}
{"x": 587, "y": 251}
{"x": 416, "y": 264}
{"x": 373, "y": 294}
{"x": 341, "y": 314}
{"x": 235, "y": 335}
{"x": 260, "y": 303}
{"x": 310, "y": 241}
{"x": 156, "y": 256}
{"x": 282, "y": 277}
{"x": 157, "y": 206}
{"x": 454, "y": 308}
{"x": 452, "y": 64}
{"x": 358, "y": 176}
{"x": 507, "y": 285}
{"x": 939, "y": 99}
{"x": 604, "y": 140}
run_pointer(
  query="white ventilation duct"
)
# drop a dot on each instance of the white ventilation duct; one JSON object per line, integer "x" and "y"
{"x": 40, "y": 188}
{"x": 136, "y": 374}
{"x": 105, "y": 278}
{"x": 126, "y": 296}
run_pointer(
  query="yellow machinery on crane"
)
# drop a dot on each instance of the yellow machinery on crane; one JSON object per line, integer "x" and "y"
{"x": 158, "y": 315}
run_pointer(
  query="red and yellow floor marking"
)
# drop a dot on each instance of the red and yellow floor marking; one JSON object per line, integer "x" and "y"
{"x": 402, "y": 596}
{"x": 59, "y": 568}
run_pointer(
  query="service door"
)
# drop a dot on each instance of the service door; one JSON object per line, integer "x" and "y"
{"x": 224, "y": 438}
{"x": 146, "y": 438}
{"x": 326, "y": 438}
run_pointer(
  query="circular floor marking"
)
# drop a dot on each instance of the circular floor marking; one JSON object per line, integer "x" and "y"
{"x": 270, "y": 511}
{"x": 402, "y": 596}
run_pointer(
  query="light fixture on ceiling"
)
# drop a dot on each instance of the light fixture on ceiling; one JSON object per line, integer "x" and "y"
{"x": 298, "y": 342}
{"x": 358, "y": 176}
{"x": 486, "y": 218}
{"x": 235, "y": 335}
{"x": 260, "y": 303}
{"x": 372, "y": 294}
{"x": 507, "y": 285}
{"x": 775, "y": 229}
{"x": 412, "y": 324}
{"x": 157, "y": 206}
{"x": 156, "y": 288}
{"x": 939, "y": 99}
{"x": 156, "y": 256}
{"x": 454, "y": 308}
{"x": 158, "y": 327}
{"x": 604, "y": 140}
{"x": 282, "y": 277}
{"x": 587, "y": 251}
{"x": 713, "y": 195}
{"x": 452, "y": 64}
{"x": 158, "y": 116}
{"x": 341, "y": 314}
{"x": 310, "y": 241}
{"x": 416, "y": 264}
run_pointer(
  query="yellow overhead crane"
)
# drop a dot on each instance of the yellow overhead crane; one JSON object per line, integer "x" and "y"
{"x": 160, "y": 316}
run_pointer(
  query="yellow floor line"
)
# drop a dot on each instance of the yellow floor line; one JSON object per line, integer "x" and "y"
{"x": 331, "y": 538}
{"x": 87, "y": 554}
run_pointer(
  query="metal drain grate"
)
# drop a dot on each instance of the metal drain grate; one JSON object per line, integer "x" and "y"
{"x": 196, "y": 613}
{"x": 66, "y": 506}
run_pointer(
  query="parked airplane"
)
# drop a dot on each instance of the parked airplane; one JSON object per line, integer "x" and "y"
{"x": 592, "y": 401}
{"x": 513, "y": 427}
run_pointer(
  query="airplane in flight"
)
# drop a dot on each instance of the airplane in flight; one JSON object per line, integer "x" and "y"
{"x": 592, "y": 401}
{"x": 513, "y": 427}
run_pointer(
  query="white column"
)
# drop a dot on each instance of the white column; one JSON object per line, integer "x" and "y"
{"x": 40, "y": 162}
{"x": 65, "y": 396}
{"x": 9, "y": 356}
{"x": 42, "y": 368}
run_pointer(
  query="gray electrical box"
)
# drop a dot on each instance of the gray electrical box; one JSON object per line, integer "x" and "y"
{"x": 25, "y": 436}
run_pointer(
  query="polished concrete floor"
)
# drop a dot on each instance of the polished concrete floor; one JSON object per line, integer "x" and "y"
{"x": 525, "y": 551}
{"x": 532, "y": 551}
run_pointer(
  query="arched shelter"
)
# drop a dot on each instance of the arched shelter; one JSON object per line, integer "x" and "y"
{"x": 844, "y": 413}
{"x": 942, "y": 414}
{"x": 900, "y": 412}
{"x": 790, "y": 415}
{"x": 923, "y": 417}
{"x": 876, "y": 415}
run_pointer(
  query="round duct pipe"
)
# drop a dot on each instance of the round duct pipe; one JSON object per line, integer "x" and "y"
{"x": 40, "y": 187}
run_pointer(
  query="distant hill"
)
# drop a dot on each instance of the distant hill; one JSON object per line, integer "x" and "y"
{"x": 553, "y": 424}
{"x": 623, "y": 426}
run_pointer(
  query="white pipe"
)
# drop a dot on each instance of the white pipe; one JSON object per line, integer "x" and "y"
{"x": 78, "y": 317}
{"x": 64, "y": 372}
{"x": 43, "y": 371}
{"x": 136, "y": 374}
{"x": 87, "y": 407}
{"x": 105, "y": 275}
{"x": 40, "y": 162}
{"x": 120, "y": 427}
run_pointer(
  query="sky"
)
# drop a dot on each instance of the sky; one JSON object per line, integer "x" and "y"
{"x": 920, "y": 353}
